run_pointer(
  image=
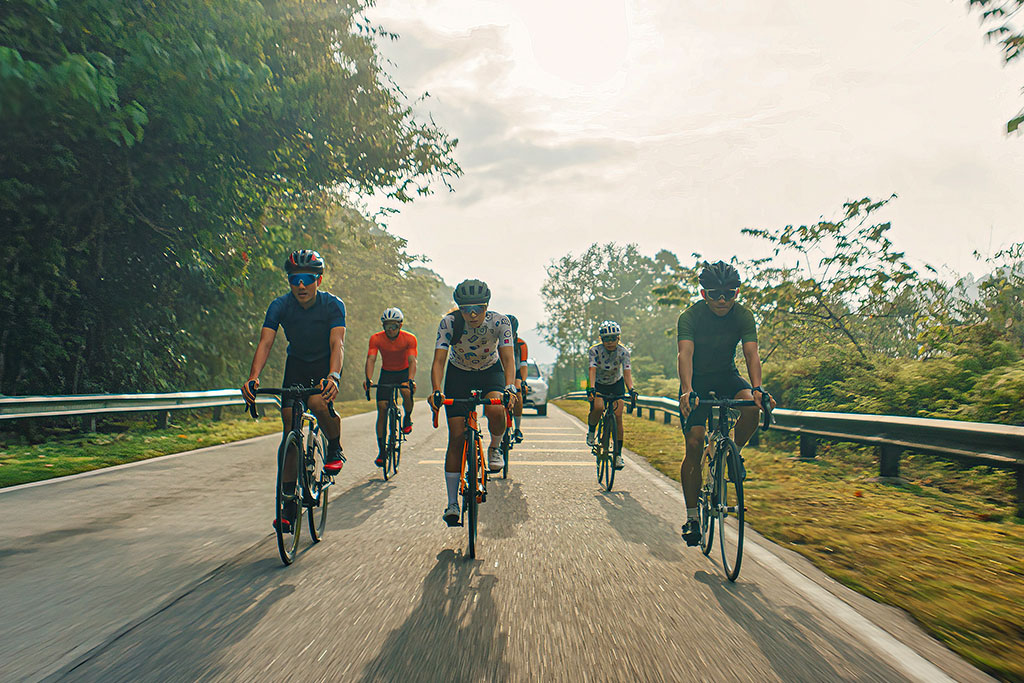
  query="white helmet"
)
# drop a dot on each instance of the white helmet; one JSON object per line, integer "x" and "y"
{"x": 392, "y": 315}
{"x": 609, "y": 327}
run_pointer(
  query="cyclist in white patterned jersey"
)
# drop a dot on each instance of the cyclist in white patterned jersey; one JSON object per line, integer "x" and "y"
{"x": 610, "y": 374}
{"x": 473, "y": 352}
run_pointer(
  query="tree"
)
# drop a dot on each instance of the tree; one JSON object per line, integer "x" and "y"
{"x": 998, "y": 15}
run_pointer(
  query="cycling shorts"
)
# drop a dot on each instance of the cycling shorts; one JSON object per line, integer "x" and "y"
{"x": 725, "y": 385}
{"x": 458, "y": 383}
{"x": 390, "y": 377}
{"x": 616, "y": 388}
{"x": 303, "y": 373}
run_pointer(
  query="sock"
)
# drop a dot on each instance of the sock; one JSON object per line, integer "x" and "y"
{"x": 380, "y": 443}
{"x": 334, "y": 443}
{"x": 496, "y": 439}
{"x": 451, "y": 481}
{"x": 691, "y": 513}
{"x": 518, "y": 419}
{"x": 618, "y": 448}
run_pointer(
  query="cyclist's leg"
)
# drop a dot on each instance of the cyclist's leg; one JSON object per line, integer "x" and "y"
{"x": 596, "y": 409}
{"x": 331, "y": 426}
{"x": 457, "y": 384}
{"x": 492, "y": 381}
{"x": 749, "y": 417}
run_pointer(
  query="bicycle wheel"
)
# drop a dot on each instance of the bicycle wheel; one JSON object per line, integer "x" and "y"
{"x": 596, "y": 450}
{"x": 289, "y": 504}
{"x": 506, "y": 451}
{"x": 318, "y": 485}
{"x": 389, "y": 448}
{"x": 730, "y": 519}
{"x": 607, "y": 445}
{"x": 469, "y": 500}
{"x": 707, "y": 501}
{"x": 397, "y": 455}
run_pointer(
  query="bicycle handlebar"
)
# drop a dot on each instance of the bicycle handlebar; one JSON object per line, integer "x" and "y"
{"x": 714, "y": 402}
{"x": 292, "y": 392}
{"x": 370, "y": 385}
{"x": 476, "y": 399}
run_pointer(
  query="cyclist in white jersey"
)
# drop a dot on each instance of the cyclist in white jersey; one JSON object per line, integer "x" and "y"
{"x": 610, "y": 374}
{"x": 480, "y": 359}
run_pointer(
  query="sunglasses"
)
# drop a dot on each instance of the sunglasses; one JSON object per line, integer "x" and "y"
{"x": 391, "y": 327}
{"x": 611, "y": 337}
{"x": 472, "y": 310}
{"x": 725, "y": 294}
{"x": 307, "y": 279}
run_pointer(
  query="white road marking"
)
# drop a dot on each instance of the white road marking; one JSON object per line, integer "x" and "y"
{"x": 898, "y": 655}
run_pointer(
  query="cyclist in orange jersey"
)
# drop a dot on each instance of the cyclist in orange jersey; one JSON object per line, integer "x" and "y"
{"x": 398, "y": 363}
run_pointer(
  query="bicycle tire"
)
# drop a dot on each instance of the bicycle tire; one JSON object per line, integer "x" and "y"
{"x": 706, "y": 502}
{"x": 318, "y": 484}
{"x": 397, "y": 454}
{"x": 596, "y": 450}
{"x": 389, "y": 446}
{"x": 731, "y": 510}
{"x": 470, "y": 494}
{"x": 506, "y": 452}
{"x": 607, "y": 445}
{"x": 288, "y": 544}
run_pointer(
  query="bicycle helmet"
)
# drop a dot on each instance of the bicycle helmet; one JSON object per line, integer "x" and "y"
{"x": 470, "y": 292}
{"x": 515, "y": 325}
{"x": 609, "y": 327}
{"x": 719, "y": 275}
{"x": 305, "y": 259}
{"x": 392, "y": 315}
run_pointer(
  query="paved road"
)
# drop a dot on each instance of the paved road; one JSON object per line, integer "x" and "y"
{"x": 168, "y": 571}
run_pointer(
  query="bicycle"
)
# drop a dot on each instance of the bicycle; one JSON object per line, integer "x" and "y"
{"x": 604, "y": 447}
{"x": 311, "y": 482}
{"x": 393, "y": 432}
{"x": 473, "y": 483}
{"x": 720, "y": 461}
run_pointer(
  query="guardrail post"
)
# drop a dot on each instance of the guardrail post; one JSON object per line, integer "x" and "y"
{"x": 218, "y": 413}
{"x": 650, "y": 414}
{"x": 89, "y": 424}
{"x": 161, "y": 419}
{"x": 1020, "y": 492}
{"x": 668, "y": 418}
{"x": 889, "y": 461}
{"x": 808, "y": 446}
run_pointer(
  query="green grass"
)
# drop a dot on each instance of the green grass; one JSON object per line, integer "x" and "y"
{"x": 127, "y": 440}
{"x": 946, "y": 548}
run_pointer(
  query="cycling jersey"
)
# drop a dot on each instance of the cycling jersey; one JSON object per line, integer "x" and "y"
{"x": 523, "y": 353}
{"x": 394, "y": 353}
{"x": 609, "y": 364}
{"x": 715, "y": 337}
{"x": 478, "y": 347}
{"x": 308, "y": 330}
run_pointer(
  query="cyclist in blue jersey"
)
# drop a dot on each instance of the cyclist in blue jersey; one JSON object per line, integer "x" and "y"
{"x": 314, "y": 324}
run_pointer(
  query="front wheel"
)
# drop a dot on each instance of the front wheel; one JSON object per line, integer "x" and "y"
{"x": 470, "y": 502}
{"x": 730, "y": 520}
{"x": 319, "y": 485}
{"x": 288, "y": 499}
{"x": 607, "y": 446}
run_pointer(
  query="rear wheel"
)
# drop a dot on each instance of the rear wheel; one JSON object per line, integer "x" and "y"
{"x": 706, "y": 501}
{"x": 288, "y": 500}
{"x": 506, "y": 451}
{"x": 392, "y": 444}
{"x": 319, "y": 484}
{"x": 730, "y": 521}
{"x": 607, "y": 444}
{"x": 470, "y": 502}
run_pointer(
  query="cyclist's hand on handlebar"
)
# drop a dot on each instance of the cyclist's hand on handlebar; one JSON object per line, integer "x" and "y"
{"x": 687, "y": 402}
{"x": 412, "y": 386}
{"x": 249, "y": 394}
{"x": 591, "y": 394}
{"x": 366, "y": 385}
{"x": 328, "y": 389}
{"x": 436, "y": 400}
{"x": 759, "y": 394}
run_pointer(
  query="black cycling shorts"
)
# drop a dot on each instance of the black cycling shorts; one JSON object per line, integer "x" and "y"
{"x": 725, "y": 385}
{"x": 390, "y": 377}
{"x": 303, "y": 373}
{"x": 458, "y": 383}
{"x": 616, "y": 388}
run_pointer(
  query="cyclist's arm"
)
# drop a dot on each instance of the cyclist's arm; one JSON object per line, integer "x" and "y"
{"x": 371, "y": 360}
{"x": 592, "y": 377}
{"x": 684, "y": 365}
{"x": 337, "y": 349}
{"x": 259, "y": 359}
{"x": 753, "y": 357}
{"x": 627, "y": 374}
{"x": 437, "y": 368}
{"x": 412, "y": 367}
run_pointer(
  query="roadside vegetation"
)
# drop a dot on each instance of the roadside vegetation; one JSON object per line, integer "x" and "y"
{"x": 119, "y": 441}
{"x": 946, "y": 547}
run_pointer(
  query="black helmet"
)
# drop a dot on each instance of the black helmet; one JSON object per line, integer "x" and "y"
{"x": 515, "y": 325}
{"x": 305, "y": 259}
{"x": 472, "y": 292}
{"x": 719, "y": 275}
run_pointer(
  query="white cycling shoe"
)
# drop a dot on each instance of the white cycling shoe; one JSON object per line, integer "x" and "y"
{"x": 495, "y": 461}
{"x": 451, "y": 515}
{"x": 619, "y": 464}
{"x": 591, "y": 439}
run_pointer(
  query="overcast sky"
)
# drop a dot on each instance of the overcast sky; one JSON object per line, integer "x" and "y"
{"x": 674, "y": 124}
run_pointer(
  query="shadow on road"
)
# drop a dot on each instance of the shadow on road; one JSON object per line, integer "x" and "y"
{"x": 356, "y": 505}
{"x": 791, "y": 638}
{"x": 508, "y": 512}
{"x": 451, "y": 635}
{"x": 635, "y": 524}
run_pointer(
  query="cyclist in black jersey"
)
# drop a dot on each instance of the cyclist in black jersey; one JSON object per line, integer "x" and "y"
{"x": 314, "y": 323}
{"x": 707, "y": 335}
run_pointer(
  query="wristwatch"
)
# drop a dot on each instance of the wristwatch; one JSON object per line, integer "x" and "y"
{"x": 511, "y": 388}
{"x": 336, "y": 376}
{"x": 758, "y": 388}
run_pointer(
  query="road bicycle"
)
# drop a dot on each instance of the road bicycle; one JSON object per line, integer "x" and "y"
{"x": 721, "y": 493}
{"x": 312, "y": 484}
{"x": 393, "y": 431}
{"x": 473, "y": 482}
{"x": 604, "y": 446}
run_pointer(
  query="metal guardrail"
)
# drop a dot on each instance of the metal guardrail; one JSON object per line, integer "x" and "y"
{"x": 19, "y": 407}
{"x": 995, "y": 445}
